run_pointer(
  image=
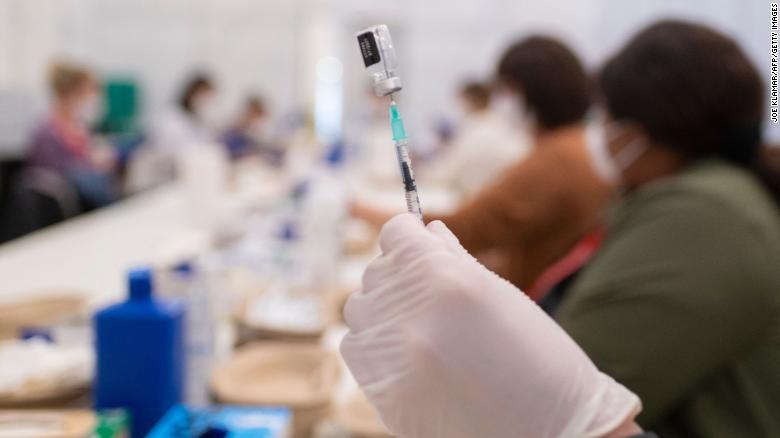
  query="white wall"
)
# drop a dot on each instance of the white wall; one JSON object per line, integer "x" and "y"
{"x": 271, "y": 46}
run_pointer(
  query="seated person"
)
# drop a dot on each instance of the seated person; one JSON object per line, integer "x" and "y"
{"x": 484, "y": 145}
{"x": 191, "y": 122}
{"x": 62, "y": 145}
{"x": 682, "y": 302}
{"x": 250, "y": 134}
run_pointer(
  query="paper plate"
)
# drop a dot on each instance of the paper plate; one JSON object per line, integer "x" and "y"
{"x": 358, "y": 417}
{"x": 271, "y": 373}
{"x": 39, "y": 311}
{"x": 253, "y": 331}
{"x": 256, "y": 328}
{"x": 359, "y": 238}
{"x": 46, "y": 424}
{"x": 297, "y": 375}
{"x": 42, "y": 397}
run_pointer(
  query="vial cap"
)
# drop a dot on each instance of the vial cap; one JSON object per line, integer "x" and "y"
{"x": 140, "y": 283}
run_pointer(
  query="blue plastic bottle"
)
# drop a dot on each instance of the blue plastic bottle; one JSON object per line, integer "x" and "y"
{"x": 140, "y": 354}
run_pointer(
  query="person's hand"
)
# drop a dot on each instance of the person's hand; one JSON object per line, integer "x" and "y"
{"x": 374, "y": 216}
{"x": 445, "y": 348}
{"x": 103, "y": 157}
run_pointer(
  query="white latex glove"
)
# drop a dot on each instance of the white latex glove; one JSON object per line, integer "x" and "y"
{"x": 445, "y": 348}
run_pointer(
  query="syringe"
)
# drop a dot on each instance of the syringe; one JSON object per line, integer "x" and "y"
{"x": 378, "y": 53}
{"x": 404, "y": 162}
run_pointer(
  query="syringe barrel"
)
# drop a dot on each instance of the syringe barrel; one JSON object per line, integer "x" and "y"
{"x": 407, "y": 176}
{"x": 413, "y": 204}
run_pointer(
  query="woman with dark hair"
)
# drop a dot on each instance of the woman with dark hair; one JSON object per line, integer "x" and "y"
{"x": 249, "y": 134}
{"x": 195, "y": 95}
{"x": 190, "y": 122}
{"x": 682, "y": 302}
{"x": 536, "y": 211}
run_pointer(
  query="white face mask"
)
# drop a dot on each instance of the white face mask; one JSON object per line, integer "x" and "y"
{"x": 460, "y": 112}
{"x": 610, "y": 168}
{"x": 514, "y": 110}
{"x": 206, "y": 110}
{"x": 257, "y": 131}
{"x": 89, "y": 110}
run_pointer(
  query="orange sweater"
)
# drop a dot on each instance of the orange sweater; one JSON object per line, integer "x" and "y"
{"x": 534, "y": 213}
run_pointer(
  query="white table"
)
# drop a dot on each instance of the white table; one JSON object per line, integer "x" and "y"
{"x": 90, "y": 254}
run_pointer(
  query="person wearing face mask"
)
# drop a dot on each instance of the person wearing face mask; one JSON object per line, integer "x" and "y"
{"x": 195, "y": 117}
{"x": 537, "y": 210}
{"x": 682, "y": 302}
{"x": 62, "y": 145}
{"x": 250, "y": 134}
{"x": 192, "y": 122}
{"x": 485, "y": 144}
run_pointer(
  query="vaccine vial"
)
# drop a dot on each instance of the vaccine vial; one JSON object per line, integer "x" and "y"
{"x": 376, "y": 47}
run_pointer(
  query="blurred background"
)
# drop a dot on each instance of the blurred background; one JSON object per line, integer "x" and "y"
{"x": 275, "y": 48}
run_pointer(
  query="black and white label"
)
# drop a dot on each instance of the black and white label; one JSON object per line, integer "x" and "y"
{"x": 368, "y": 48}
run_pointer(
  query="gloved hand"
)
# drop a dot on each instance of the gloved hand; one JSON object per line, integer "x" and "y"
{"x": 445, "y": 348}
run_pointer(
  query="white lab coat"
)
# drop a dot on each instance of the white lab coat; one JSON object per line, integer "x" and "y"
{"x": 173, "y": 133}
{"x": 484, "y": 145}
{"x": 176, "y": 130}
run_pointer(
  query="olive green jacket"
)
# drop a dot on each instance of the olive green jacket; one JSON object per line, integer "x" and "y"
{"x": 682, "y": 304}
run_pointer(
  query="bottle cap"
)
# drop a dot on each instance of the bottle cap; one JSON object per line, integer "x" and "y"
{"x": 183, "y": 268}
{"x": 288, "y": 231}
{"x": 140, "y": 283}
{"x": 334, "y": 156}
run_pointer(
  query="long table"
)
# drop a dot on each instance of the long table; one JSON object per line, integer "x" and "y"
{"x": 90, "y": 254}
